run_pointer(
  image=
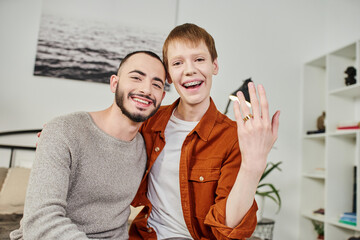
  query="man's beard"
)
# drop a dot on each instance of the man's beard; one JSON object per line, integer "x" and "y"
{"x": 119, "y": 99}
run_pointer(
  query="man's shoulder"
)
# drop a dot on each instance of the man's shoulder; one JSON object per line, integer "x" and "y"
{"x": 69, "y": 120}
{"x": 74, "y": 116}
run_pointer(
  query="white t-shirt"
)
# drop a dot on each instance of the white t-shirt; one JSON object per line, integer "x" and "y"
{"x": 166, "y": 216}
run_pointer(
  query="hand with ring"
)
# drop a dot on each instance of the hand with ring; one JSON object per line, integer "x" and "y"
{"x": 256, "y": 132}
{"x": 247, "y": 117}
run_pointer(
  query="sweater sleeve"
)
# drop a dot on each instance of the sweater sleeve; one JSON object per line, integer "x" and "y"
{"x": 44, "y": 213}
{"x": 217, "y": 213}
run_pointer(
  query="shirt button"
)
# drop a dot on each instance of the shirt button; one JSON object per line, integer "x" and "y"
{"x": 201, "y": 178}
{"x": 149, "y": 230}
{"x": 146, "y": 215}
{"x": 157, "y": 149}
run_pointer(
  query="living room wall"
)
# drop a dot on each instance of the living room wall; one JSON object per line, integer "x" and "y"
{"x": 266, "y": 40}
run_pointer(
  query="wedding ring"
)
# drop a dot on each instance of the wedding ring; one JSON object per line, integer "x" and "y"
{"x": 247, "y": 117}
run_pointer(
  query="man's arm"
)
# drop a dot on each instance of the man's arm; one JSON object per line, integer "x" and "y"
{"x": 216, "y": 217}
{"x": 45, "y": 216}
{"x": 234, "y": 213}
{"x": 256, "y": 138}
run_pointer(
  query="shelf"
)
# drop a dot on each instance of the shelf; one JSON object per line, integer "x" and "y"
{"x": 335, "y": 152}
{"x": 319, "y": 62}
{"x": 320, "y": 136}
{"x": 351, "y": 91}
{"x": 345, "y": 133}
{"x": 336, "y": 222}
{"x": 314, "y": 175}
{"x": 312, "y": 216}
{"x": 348, "y": 51}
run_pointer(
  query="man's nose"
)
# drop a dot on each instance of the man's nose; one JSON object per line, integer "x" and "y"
{"x": 146, "y": 87}
{"x": 189, "y": 69}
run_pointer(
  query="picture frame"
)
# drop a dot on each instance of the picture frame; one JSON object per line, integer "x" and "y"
{"x": 88, "y": 43}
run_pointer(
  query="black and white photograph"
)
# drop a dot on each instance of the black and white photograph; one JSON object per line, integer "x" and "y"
{"x": 86, "y": 40}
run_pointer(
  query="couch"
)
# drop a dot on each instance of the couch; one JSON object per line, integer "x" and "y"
{"x": 13, "y": 184}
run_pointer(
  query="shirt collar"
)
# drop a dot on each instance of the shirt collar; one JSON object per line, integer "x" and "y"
{"x": 203, "y": 128}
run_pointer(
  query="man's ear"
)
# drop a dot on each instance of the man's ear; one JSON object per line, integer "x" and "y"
{"x": 164, "y": 93}
{"x": 216, "y": 67}
{"x": 114, "y": 80}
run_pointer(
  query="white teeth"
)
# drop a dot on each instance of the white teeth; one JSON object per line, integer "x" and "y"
{"x": 189, "y": 84}
{"x": 141, "y": 101}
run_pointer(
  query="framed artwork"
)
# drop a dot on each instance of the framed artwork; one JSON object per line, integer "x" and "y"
{"x": 87, "y": 39}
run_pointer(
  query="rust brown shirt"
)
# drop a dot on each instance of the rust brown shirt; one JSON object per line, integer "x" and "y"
{"x": 209, "y": 163}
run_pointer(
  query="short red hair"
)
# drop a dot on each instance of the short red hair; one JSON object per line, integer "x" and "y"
{"x": 190, "y": 34}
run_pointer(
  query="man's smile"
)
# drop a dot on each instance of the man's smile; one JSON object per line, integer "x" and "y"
{"x": 193, "y": 84}
{"x": 143, "y": 101}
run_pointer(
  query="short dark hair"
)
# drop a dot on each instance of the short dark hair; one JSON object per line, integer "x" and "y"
{"x": 150, "y": 53}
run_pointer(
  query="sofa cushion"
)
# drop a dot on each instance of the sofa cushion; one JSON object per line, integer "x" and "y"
{"x": 3, "y": 173}
{"x": 12, "y": 194}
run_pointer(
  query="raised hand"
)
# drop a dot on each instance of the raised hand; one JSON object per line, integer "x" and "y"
{"x": 256, "y": 133}
{"x": 38, "y": 135}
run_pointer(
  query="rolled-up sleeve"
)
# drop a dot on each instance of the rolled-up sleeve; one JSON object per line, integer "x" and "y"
{"x": 217, "y": 212}
{"x": 216, "y": 220}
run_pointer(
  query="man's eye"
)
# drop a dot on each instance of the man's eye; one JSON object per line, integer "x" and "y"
{"x": 157, "y": 86}
{"x": 200, "y": 59}
{"x": 136, "y": 78}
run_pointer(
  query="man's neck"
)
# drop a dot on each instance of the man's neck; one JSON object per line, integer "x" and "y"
{"x": 191, "y": 112}
{"x": 113, "y": 122}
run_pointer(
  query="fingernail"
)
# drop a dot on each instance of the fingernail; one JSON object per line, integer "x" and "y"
{"x": 233, "y": 98}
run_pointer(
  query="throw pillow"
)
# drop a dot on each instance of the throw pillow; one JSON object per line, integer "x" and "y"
{"x": 12, "y": 195}
{"x": 3, "y": 173}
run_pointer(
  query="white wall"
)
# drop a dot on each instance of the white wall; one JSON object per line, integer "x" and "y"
{"x": 267, "y": 40}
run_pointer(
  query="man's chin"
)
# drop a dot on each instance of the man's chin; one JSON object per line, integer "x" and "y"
{"x": 140, "y": 116}
{"x": 137, "y": 113}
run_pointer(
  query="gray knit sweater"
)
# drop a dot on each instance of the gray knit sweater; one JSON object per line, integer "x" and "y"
{"x": 82, "y": 182}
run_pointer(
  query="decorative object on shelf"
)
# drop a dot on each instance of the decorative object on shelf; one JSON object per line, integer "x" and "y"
{"x": 320, "y": 211}
{"x": 270, "y": 192}
{"x": 351, "y": 73}
{"x": 315, "y": 132}
{"x": 354, "y": 205}
{"x": 319, "y": 228}
{"x": 243, "y": 88}
{"x": 354, "y": 238}
{"x": 348, "y": 125}
{"x": 320, "y": 123}
{"x": 348, "y": 218}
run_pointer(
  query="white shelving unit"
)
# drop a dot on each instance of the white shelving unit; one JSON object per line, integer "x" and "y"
{"x": 328, "y": 159}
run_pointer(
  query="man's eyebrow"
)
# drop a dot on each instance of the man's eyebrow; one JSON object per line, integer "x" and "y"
{"x": 144, "y": 74}
{"x": 138, "y": 71}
